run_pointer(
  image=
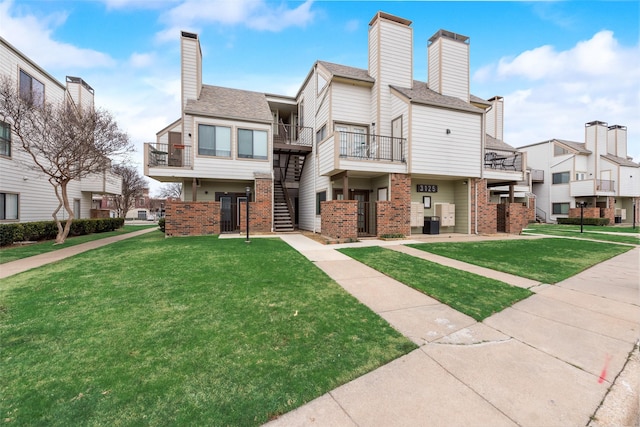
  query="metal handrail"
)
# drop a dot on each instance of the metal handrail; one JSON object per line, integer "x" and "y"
{"x": 362, "y": 146}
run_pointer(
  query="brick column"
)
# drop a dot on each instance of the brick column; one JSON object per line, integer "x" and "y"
{"x": 394, "y": 216}
{"x": 339, "y": 219}
{"x": 486, "y": 214}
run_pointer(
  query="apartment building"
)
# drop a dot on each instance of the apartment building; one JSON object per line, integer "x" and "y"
{"x": 596, "y": 173}
{"x": 25, "y": 193}
{"x": 357, "y": 152}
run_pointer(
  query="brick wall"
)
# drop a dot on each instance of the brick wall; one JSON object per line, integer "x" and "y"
{"x": 588, "y": 212}
{"x": 260, "y": 210}
{"x": 609, "y": 212}
{"x": 486, "y": 213}
{"x": 339, "y": 219}
{"x": 394, "y": 216}
{"x": 192, "y": 218}
{"x": 518, "y": 215}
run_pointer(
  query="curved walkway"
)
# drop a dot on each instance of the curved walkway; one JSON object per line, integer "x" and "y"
{"x": 549, "y": 360}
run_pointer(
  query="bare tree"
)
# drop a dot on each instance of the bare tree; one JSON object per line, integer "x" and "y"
{"x": 64, "y": 141}
{"x": 172, "y": 190}
{"x": 133, "y": 185}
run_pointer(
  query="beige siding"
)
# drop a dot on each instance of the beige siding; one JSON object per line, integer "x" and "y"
{"x": 309, "y": 179}
{"x": 449, "y": 68}
{"x": 434, "y": 152}
{"x": 433, "y": 67}
{"x": 326, "y": 156}
{"x": 190, "y": 69}
{"x": 350, "y": 104}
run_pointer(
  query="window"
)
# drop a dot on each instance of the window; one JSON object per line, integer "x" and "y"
{"x": 560, "y": 178}
{"x": 560, "y": 208}
{"x": 321, "y": 134}
{"x": 31, "y": 90}
{"x": 214, "y": 141}
{"x": 559, "y": 150}
{"x": 8, "y": 206}
{"x": 581, "y": 176}
{"x": 252, "y": 144}
{"x": 353, "y": 140}
{"x": 320, "y": 197}
{"x": 5, "y": 139}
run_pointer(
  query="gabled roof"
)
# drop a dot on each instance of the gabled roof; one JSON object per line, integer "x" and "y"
{"x": 338, "y": 70}
{"x": 477, "y": 100}
{"x": 497, "y": 144}
{"x": 216, "y": 101}
{"x": 421, "y": 94}
{"x": 620, "y": 161}
{"x": 578, "y": 147}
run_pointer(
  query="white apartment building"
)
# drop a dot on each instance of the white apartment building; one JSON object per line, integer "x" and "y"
{"x": 25, "y": 194}
{"x": 356, "y": 152}
{"x": 596, "y": 172}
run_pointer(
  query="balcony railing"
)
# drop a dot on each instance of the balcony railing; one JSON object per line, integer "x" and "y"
{"x": 605, "y": 185}
{"x": 361, "y": 146}
{"x": 502, "y": 160}
{"x": 166, "y": 155}
{"x": 292, "y": 135}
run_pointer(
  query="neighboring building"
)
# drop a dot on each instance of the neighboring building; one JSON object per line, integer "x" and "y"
{"x": 356, "y": 152}
{"x": 146, "y": 208}
{"x": 597, "y": 172}
{"x": 25, "y": 194}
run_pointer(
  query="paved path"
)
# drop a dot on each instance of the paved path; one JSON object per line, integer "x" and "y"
{"x": 15, "y": 267}
{"x": 546, "y": 361}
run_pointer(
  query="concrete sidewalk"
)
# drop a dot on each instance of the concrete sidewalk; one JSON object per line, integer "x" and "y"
{"x": 15, "y": 267}
{"x": 546, "y": 361}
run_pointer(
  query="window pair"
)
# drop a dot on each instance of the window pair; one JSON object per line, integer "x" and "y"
{"x": 216, "y": 141}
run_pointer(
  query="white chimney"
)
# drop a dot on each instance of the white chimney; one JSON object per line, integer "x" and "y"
{"x": 595, "y": 138}
{"x": 617, "y": 141}
{"x": 495, "y": 118}
{"x": 448, "y": 63}
{"x": 390, "y": 63}
{"x": 191, "y": 66}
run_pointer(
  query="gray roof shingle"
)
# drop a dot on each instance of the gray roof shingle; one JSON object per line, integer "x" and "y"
{"x": 577, "y": 146}
{"x": 621, "y": 161}
{"x": 421, "y": 94}
{"x": 338, "y": 70}
{"x": 216, "y": 101}
{"x": 497, "y": 144}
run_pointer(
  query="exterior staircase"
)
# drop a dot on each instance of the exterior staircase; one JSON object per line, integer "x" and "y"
{"x": 281, "y": 215}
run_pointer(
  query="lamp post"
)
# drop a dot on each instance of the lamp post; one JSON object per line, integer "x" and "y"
{"x": 248, "y": 192}
{"x": 582, "y": 205}
{"x": 634, "y": 214}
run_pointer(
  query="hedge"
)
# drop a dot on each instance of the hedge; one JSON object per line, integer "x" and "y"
{"x": 586, "y": 221}
{"x": 47, "y": 230}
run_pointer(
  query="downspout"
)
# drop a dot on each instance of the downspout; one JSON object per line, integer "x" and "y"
{"x": 475, "y": 200}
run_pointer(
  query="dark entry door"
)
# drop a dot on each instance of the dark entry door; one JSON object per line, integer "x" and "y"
{"x": 363, "y": 211}
{"x": 226, "y": 216}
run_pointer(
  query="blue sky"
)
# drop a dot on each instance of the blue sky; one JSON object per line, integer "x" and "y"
{"x": 557, "y": 64}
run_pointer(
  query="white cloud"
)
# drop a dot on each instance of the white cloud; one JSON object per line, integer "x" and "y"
{"x": 33, "y": 35}
{"x": 254, "y": 14}
{"x": 141, "y": 60}
{"x": 552, "y": 94}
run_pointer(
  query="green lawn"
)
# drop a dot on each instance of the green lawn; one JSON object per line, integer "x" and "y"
{"x": 548, "y": 260}
{"x": 473, "y": 295}
{"x": 589, "y": 232}
{"x": 181, "y": 331}
{"x": 13, "y": 253}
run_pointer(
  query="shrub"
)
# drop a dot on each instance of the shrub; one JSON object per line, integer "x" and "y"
{"x": 47, "y": 230}
{"x": 161, "y": 224}
{"x": 586, "y": 221}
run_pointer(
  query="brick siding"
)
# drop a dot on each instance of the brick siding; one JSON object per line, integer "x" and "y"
{"x": 487, "y": 213}
{"x": 192, "y": 218}
{"x": 339, "y": 219}
{"x": 394, "y": 216}
{"x": 260, "y": 210}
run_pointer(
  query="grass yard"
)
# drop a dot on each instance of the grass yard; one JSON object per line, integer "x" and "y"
{"x": 548, "y": 260}
{"x": 181, "y": 331}
{"x": 473, "y": 295}
{"x": 618, "y": 234}
{"x": 16, "y": 252}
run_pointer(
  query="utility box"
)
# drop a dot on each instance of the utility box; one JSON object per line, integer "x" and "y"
{"x": 447, "y": 214}
{"x": 431, "y": 225}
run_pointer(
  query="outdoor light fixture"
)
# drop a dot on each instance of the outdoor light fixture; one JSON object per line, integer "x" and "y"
{"x": 581, "y": 205}
{"x": 448, "y": 131}
{"x": 248, "y": 193}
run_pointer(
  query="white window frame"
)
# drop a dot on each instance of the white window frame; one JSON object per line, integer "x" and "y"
{"x": 14, "y": 215}
{"x": 254, "y": 132}
{"x": 215, "y": 151}
{"x": 5, "y": 141}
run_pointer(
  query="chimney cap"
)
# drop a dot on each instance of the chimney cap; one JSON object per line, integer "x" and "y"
{"x": 612, "y": 127}
{"x": 389, "y": 17}
{"x": 449, "y": 35}
{"x": 189, "y": 35}
{"x": 596, "y": 123}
